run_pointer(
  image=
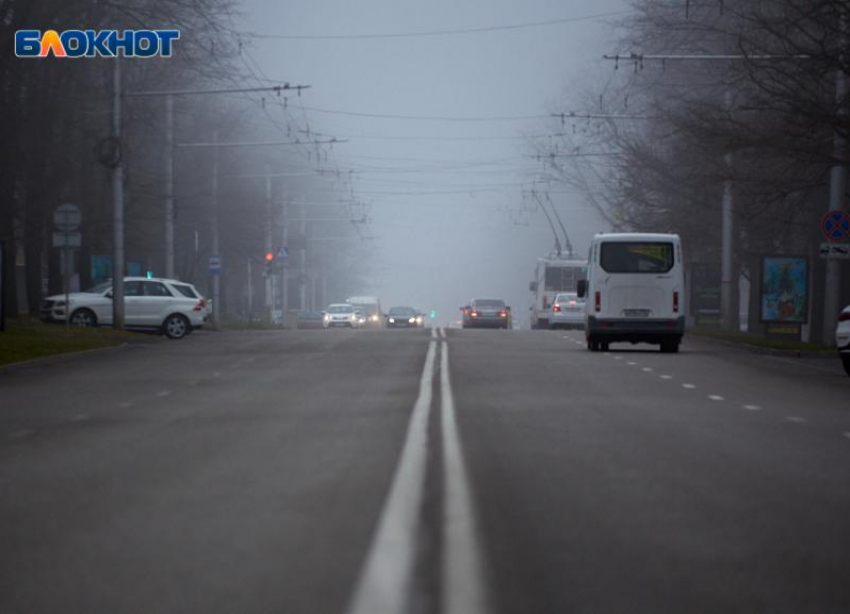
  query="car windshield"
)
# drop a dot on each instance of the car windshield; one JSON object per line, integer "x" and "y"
{"x": 402, "y": 312}
{"x": 340, "y": 309}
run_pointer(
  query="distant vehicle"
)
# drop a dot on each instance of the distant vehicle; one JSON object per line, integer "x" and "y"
{"x": 634, "y": 291}
{"x": 402, "y": 317}
{"x": 309, "y": 319}
{"x": 172, "y": 307}
{"x": 486, "y": 313}
{"x": 553, "y": 275}
{"x": 370, "y": 308}
{"x": 567, "y": 311}
{"x": 842, "y": 338}
{"x": 341, "y": 314}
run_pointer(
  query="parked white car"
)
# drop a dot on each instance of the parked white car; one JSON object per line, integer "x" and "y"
{"x": 842, "y": 337}
{"x": 173, "y": 307}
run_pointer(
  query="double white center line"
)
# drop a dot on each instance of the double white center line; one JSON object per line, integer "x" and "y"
{"x": 385, "y": 584}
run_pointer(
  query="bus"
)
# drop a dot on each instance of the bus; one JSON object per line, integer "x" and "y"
{"x": 552, "y": 276}
{"x": 634, "y": 291}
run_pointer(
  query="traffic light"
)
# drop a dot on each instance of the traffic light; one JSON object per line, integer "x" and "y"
{"x": 269, "y": 257}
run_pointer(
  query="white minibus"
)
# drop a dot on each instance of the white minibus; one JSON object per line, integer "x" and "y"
{"x": 634, "y": 291}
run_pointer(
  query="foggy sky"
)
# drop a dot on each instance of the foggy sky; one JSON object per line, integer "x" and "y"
{"x": 444, "y": 228}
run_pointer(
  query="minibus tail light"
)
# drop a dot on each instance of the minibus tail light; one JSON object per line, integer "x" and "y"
{"x": 598, "y": 300}
{"x": 676, "y": 301}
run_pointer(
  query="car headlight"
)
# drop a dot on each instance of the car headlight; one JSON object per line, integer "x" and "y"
{"x": 326, "y": 318}
{"x": 412, "y": 320}
{"x": 392, "y": 320}
{"x": 373, "y": 318}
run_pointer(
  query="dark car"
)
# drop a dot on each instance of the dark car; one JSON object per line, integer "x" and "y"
{"x": 402, "y": 317}
{"x": 486, "y": 313}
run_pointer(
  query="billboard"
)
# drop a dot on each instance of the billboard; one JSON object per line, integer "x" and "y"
{"x": 785, "y": 289}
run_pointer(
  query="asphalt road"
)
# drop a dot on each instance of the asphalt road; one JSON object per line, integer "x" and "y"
{"x": 418, "y": 472}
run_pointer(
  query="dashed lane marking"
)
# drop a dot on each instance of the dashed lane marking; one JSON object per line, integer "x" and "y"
{"x": 847, "y": 434}
{"x": 163, "y": 393}
{"x": 217, "y": 374}
{"x": 688, "y": 386}
{"x": 795, "y": 419}
{"x": 752, "y": 407}
{"x": 433, "y": 333}
{"x": 631, "y": 363}
{"x": 125, "y": 404}
{"x": 647, "y": 369}
{"x": 716, "y": 397}
{"x": 22, "y": 433}
{"x": 80, "y": 418}
{"x": 666, "y": 376}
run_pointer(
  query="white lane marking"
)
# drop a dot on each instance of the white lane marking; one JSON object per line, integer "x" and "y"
{"x": 618, "y": 358}
{"x": 442, "y": 333}
{"x": 666, "y": 376}
{"x": 647, "y": 369}
{"x": 751, "y": 407}
{"x": 125, "y": 404}
{"x": 462, "y": 579}
{"x": 716, "y": 397}
{"x": 383, "y": 586}
{"x": 688, "y": 386}
{"x": 433, "y": 333}
{"x": 80, "y": 418}
{"x": 796, "y": 419}
{"x": 847, "y": 434}
{"x": 631, "y": 364}
{"x": 22, "y": 433}
{"x": 217, "y": 374}
{"x": 163, "y": 393}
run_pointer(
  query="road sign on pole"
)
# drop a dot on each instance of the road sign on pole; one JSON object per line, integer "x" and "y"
{"x": 215, "y": 265}
{"x": 835, "y": 251}
{"x": 835, "y": 225}
{"x": 67, "y": 217}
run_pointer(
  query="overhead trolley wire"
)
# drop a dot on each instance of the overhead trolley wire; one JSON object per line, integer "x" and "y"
{"x": 427, "y": 33}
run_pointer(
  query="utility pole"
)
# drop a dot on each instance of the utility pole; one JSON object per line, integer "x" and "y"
{"x": 216, "y": 249}
{"x": 284, "y": 275}
{"x": 302, "y": 279}
{"x": 728, "y": 306}
{"x": 169, "y": 187}
{"x": 837, "y": 188}
{"x": 269, "y": 248}
{"x": 117, "y": 205}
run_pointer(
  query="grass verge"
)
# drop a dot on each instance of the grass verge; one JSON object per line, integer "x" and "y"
{"x": 26, "y": 339}
{"x": 760, "y": 341}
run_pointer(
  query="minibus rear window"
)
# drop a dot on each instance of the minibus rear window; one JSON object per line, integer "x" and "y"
{"x": 637, "y": 257}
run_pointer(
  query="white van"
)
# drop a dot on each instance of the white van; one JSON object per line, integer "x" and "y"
{"x": 634, "y": 291}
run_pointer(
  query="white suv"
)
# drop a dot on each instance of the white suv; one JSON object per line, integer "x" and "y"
{"x": 842, "y": 337}
{"x": 170, "y": 306}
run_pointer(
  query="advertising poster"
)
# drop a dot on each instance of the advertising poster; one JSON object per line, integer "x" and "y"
{"x": 785, "y": 289}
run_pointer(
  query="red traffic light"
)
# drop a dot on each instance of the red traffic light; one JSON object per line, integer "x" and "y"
{"x": 269, "y": 256}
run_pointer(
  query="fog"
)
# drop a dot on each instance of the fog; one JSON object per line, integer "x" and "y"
{"x": 448, "y": 219}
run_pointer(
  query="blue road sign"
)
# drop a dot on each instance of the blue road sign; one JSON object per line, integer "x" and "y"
{"x": 836, "y": 225}
{"x": 215, "y": 265}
